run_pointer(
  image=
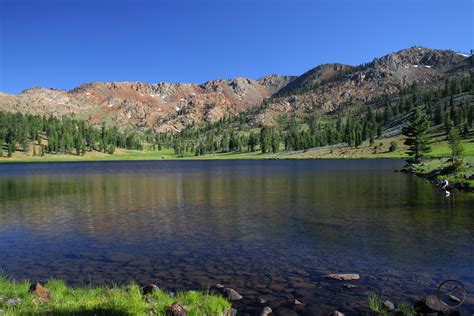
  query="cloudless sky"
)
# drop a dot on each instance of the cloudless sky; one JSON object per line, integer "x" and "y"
{"x": 62, "y": 44}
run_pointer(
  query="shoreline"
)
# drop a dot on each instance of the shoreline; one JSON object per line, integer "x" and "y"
{"x": 365, "y": 151}
{"x": 193, "y": 159}
{"x": 437, "y": 169}
{"x": 55, "y": 296}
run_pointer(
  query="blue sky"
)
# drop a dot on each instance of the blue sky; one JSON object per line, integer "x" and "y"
{"x": 62, "y": 44}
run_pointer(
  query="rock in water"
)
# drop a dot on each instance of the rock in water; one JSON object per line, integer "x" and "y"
{"x": 176, "y": 310}
{"x": 231, "y": 294}
{"x": 266, "y": 311}
{"x": 150, "y": 288}
{"x": 389, "y": 305}
{"x": 337, "y": 313}
{"x": 343, "y": 276}
{"x": 430, "y": 304}
{"x": 350, "y": 286}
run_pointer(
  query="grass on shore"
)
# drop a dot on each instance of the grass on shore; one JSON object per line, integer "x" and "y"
{"x": 380, "y": 149}
{"x": 427, "y": 167}
{"x": 129, "y": 155}
{"x": 102, "y": 301}
{"x": 376, "y": 305}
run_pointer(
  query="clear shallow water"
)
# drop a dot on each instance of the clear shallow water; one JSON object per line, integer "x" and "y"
{"x": 269, "y": 229}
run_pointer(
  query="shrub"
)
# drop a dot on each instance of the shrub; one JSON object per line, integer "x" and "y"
{"x": 393, "y": 146}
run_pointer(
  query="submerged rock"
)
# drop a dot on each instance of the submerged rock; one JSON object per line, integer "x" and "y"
{"x": 350, "y": 286}
{"x": 298, "y": 303}
{"x": 176, "y": 310}
{"x": 231, "y": 294}
{"x": 337, "y": 313}
{"x": 282, "y": 311}
{"x": 277, "y": 287}
{"x": 343, "y": 276}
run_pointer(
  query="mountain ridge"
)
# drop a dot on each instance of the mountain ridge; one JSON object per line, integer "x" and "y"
{"x": 170, "y": 107}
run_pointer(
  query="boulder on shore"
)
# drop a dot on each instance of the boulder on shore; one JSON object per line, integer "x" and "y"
{"x": 43, "y": 295}
{"x": 175, "y": 310}
{"x": 430, "y": 304}
{"x": 150, "y": 288}
{"x": 389, "y": 305}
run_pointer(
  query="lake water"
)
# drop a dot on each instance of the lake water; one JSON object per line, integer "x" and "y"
{"x": 269, "y": 229}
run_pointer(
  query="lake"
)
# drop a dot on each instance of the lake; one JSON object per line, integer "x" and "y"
{"x": 269, "y": 229}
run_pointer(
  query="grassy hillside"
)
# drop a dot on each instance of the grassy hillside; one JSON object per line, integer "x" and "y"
{"x": 439, "y": 149}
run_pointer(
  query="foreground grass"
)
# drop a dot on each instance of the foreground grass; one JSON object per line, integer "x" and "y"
{"x": 102, "y": 301}
{"x": 376, "y": 305}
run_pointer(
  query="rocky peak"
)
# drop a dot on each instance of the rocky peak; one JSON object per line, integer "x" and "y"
{"x": 418, "y": 57}
{"x": 311, "y": 79}
{"x": 275, "y": 82}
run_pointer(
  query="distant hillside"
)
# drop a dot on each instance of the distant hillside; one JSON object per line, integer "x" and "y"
{"x": 167, "y": 107}
{"x": 159, "y": 107}
{"x": 331, "y": 86}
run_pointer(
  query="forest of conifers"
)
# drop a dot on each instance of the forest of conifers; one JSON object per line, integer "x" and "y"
{"x": 446, "y": 106}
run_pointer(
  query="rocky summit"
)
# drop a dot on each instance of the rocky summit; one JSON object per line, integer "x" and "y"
{"x": 169, "y": 107}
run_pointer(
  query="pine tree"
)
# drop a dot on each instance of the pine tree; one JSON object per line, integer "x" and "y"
{"x": 417, "y": 133}
{"x": 438, "y": 115}
{"x": 265, "y": 139}
{"x": 393, "y": 146}
{"x": 275, "y": 142}
{"x": 379, "y": 130}
{"x": 454, "y": 141}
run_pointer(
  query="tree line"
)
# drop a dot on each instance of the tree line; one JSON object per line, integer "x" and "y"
{"x": 352, "y": 126}
{"x": 67, "y": 135}
{"x": 442, "y": 107}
